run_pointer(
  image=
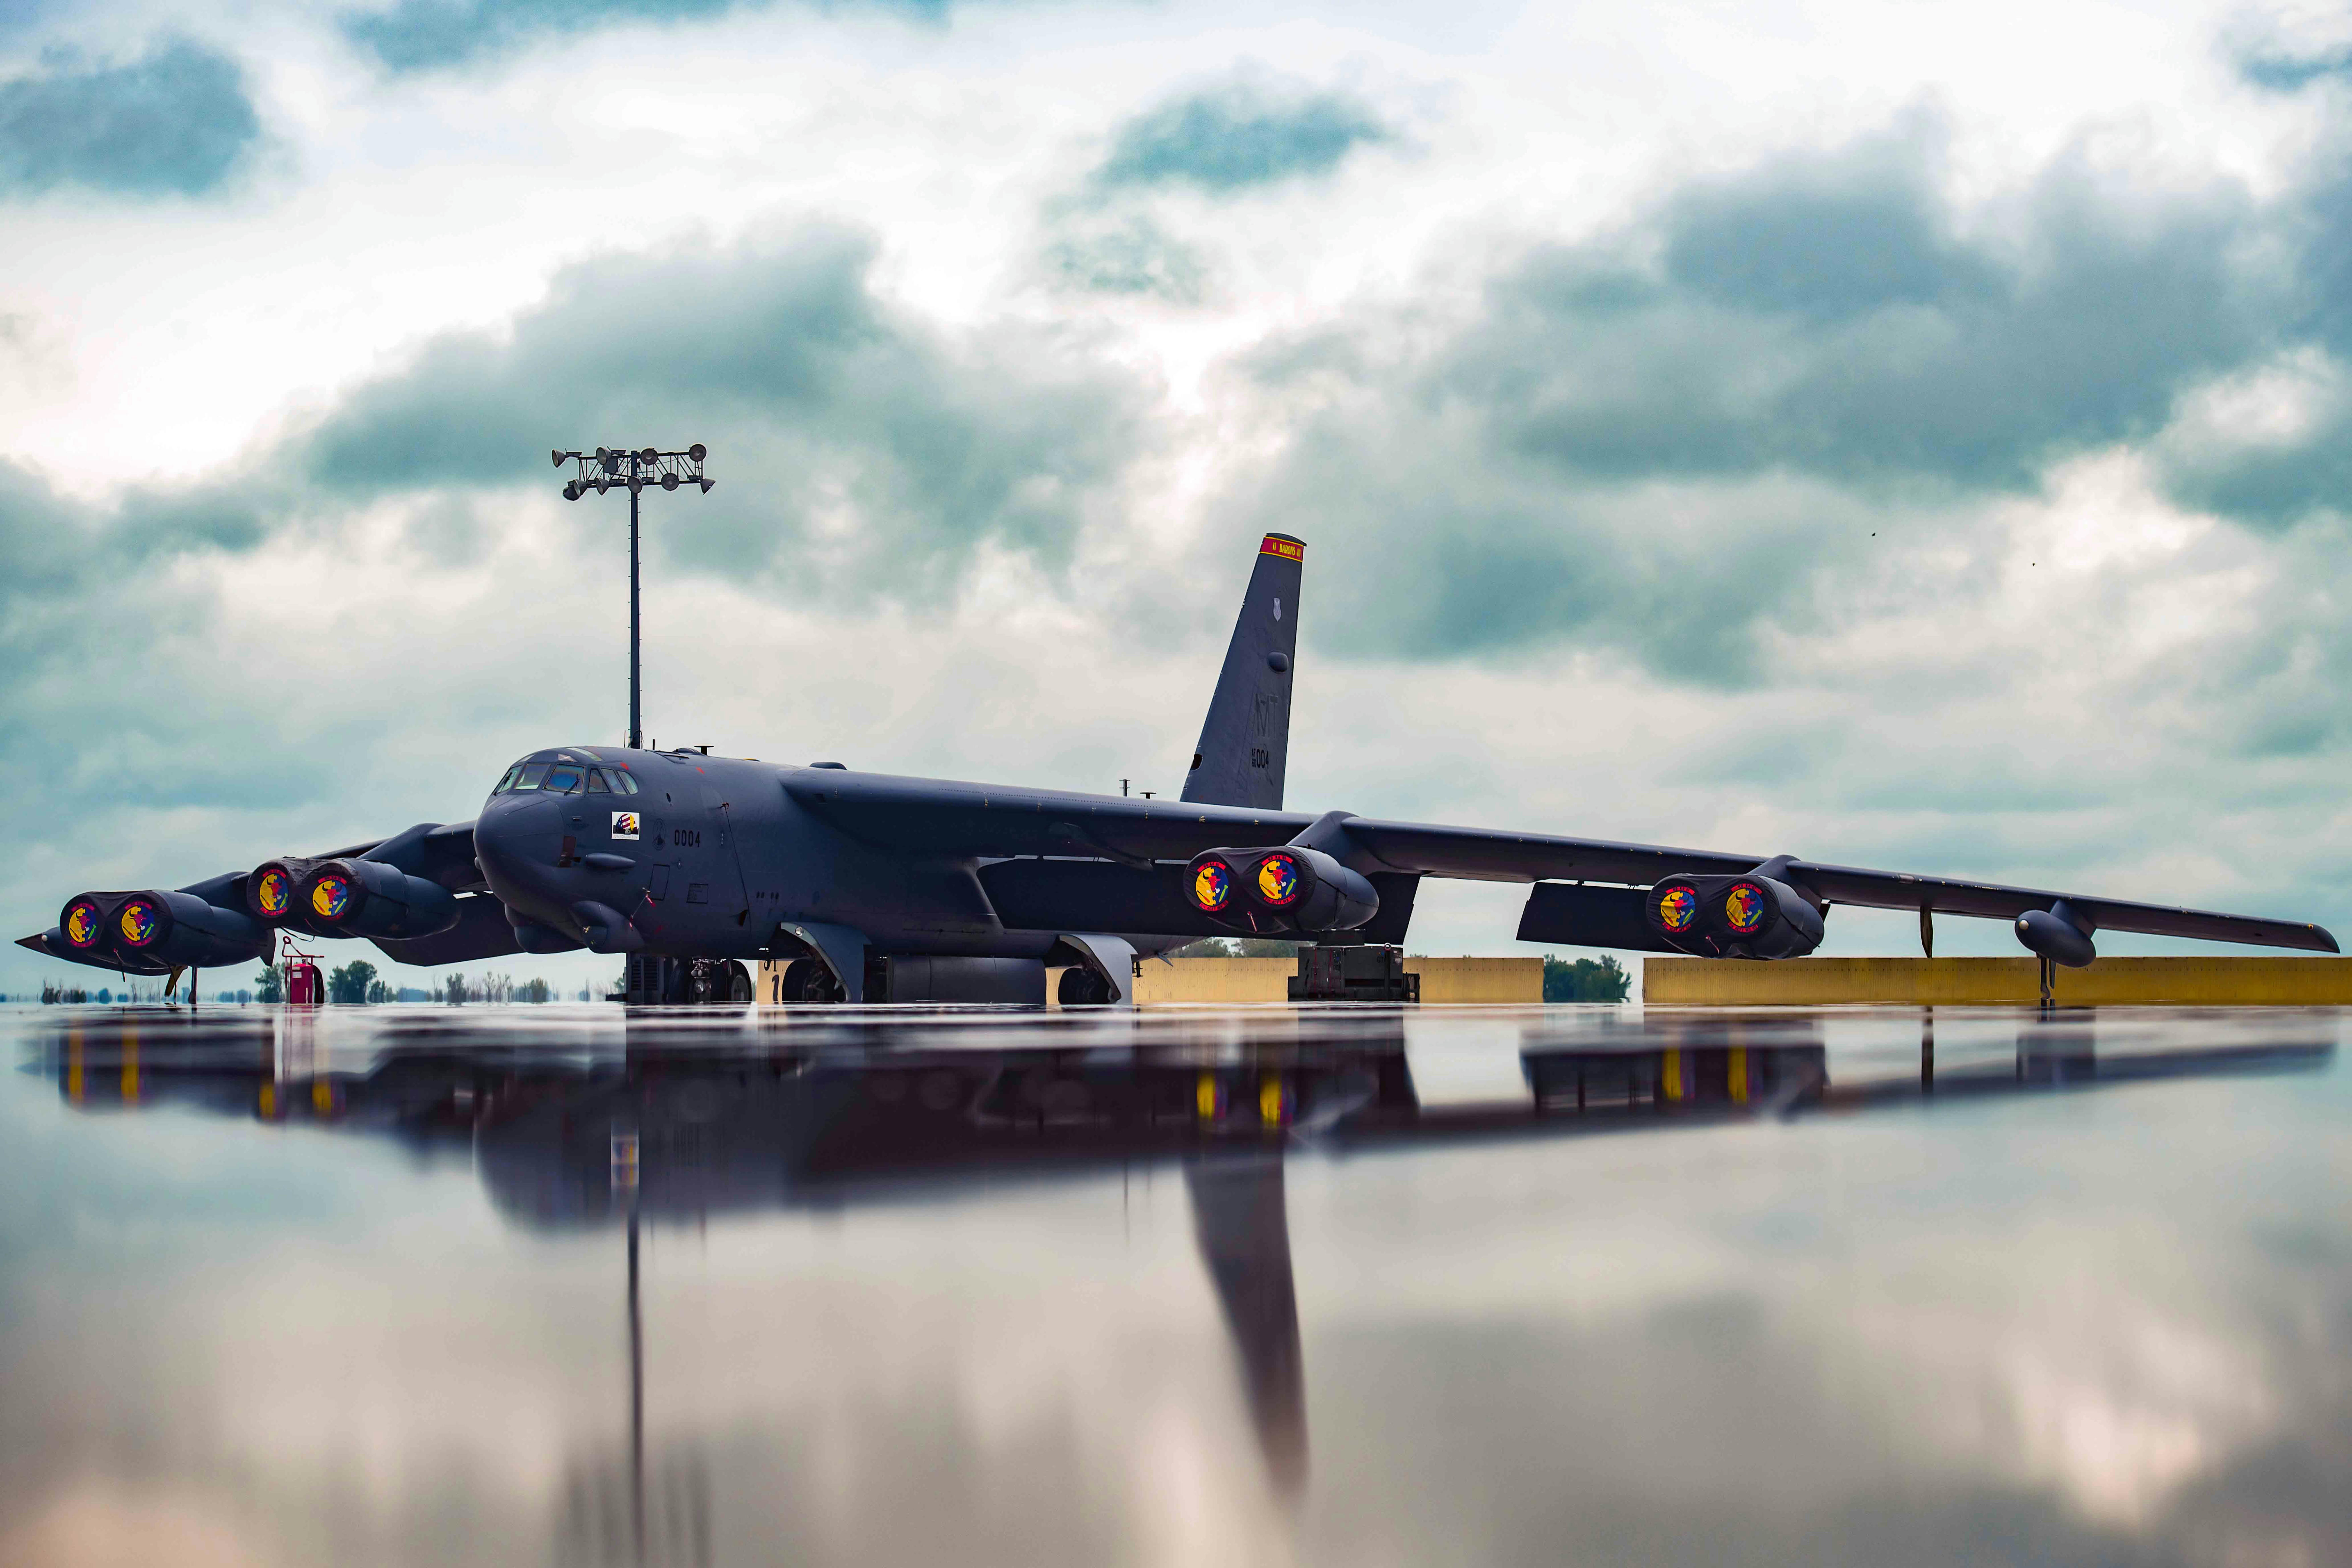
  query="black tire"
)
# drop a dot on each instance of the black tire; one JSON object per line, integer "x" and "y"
{"x": 1082, "y": 987}
{"x": 738, "y": 983}
{"x": 806, "y": 980}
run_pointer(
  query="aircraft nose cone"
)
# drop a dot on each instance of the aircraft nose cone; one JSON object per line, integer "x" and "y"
{"x": 517, "y": 842}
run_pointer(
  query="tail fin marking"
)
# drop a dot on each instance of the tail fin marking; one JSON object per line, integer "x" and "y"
{"x": 1245, "y": 741}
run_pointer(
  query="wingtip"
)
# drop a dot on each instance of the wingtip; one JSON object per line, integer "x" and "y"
{"x": 2324, "y": 934}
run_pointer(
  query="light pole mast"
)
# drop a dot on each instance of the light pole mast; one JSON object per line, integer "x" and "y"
{"x": 600, "y": 471}
{"x": 637, "y": 724}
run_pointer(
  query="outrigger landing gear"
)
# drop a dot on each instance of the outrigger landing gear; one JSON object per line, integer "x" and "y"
{"x": 650, "y": 982}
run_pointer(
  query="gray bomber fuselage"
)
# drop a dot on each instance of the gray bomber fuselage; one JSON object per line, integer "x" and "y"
{"x": 725, "y": 853}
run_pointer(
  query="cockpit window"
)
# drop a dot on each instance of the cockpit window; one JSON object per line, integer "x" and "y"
{"x": 596, "y": 784}
{"x": 507, "y": 783}
{"x": 623, "y": 783}
{"x": 527, "y": 775}
{"x": 563, "y": 778}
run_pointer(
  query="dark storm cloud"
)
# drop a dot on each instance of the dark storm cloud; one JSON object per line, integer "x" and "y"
{"x": 2286, "y": 52}
{"x": 430, "y": 34}
{"x": 1676, "y": 438}
{"x": 1129, "y": 256}
{"x": 2279, "y": 480}
{"x": 50, "y": 552}
{"x": 1233, "y": 137}
{"x": 53, "y": 548}
{"x": 110, "y": 704}
{"x": 176, "y": 121}
{"x": 887, "y": 451}
{"x": 1823, "y": 317}
{"x": 2287, "y": 72}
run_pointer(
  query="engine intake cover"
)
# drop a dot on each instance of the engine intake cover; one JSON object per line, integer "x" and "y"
{"x": 1279, "y": 891}
{"x": 160, "y": 928}
{"x": 359, "y": 896}
{"x": 1733, "y": 916}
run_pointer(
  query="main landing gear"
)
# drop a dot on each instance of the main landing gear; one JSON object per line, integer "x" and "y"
{"x": 808, "y": 980}
{"x": 1082, "y": 987}
{"x": 689, "y": 982}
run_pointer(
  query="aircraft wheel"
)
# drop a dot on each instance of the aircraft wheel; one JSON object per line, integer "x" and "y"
{"x": 1082, "y": 987}
{"x": 738, "y": 983}
{"x": 806, "y": 980}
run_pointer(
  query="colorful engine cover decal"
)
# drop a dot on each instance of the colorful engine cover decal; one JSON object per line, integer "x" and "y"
{"x": 331, "y": 895}
{"x": 1743, "y": 906}
{"x": 1289, "y": 549}
{"x": 1213, "y": 885}
{"x": 139, "y": 922}
{"x": 1277, "y": 879}
{"x": 1678, "y": 908}
{"x": 82, "y": 923}
{"x": 276, "y": 893}
{"x": 625, "y": 826}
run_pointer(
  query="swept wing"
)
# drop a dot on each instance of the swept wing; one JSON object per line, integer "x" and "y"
{"x": 948, "y": 818}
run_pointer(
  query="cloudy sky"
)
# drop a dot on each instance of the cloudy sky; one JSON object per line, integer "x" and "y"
{"x": 1913, "y": 435}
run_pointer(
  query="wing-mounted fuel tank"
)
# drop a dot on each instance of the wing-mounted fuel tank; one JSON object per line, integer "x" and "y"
{"x": 2061, "y": 933}
{"x": 1755, "y": 915}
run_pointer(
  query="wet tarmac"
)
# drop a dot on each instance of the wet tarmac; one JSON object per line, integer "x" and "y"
{"x": 1192, "y": 1285}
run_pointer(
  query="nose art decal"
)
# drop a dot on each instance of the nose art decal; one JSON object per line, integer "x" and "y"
{"x": 625, "y": 826}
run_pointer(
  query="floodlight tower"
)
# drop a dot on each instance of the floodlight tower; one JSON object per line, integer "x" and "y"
{"x": 610, "y": 466}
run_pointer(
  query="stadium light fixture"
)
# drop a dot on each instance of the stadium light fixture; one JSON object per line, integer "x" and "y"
{"x": 600, "y": 471}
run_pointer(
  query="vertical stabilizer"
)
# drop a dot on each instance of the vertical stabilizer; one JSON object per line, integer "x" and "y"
{"x": 1246, "y": 742}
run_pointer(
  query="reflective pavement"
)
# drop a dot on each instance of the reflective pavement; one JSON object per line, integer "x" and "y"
{"x": 1242, "y": 1285}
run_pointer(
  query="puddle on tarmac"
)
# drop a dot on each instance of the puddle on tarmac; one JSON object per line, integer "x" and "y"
{"x": 1342, "y": 1285}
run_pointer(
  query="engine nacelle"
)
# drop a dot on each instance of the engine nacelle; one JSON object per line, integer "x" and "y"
{"x": 2061, "y": 933}
{"x": 161, "y": 927}
{"x": 359, "y": 896}
{"x": 273, "y": 893}
{"x": 1279, "y": 891}
{"x": 1734, "y": 917}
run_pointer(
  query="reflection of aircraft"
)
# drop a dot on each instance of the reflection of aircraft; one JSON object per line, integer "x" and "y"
{"x": 879, "y": 888}
{"x": 709, "y": 1123}
{"x": 1243, "y": 1227}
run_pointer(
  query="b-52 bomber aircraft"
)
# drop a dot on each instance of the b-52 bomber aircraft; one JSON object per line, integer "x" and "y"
{"x": 878, "y": 887}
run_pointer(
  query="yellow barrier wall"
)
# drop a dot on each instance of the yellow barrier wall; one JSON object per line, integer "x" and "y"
{"x": 1215, "y": 980}
{"x": 1478, "y": 979}
{"x": 1269, "y": 979}
{"x": 2111, "y": 982}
